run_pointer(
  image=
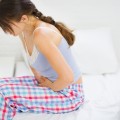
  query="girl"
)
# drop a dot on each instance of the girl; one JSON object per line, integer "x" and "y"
{"x": 56, "y": 86}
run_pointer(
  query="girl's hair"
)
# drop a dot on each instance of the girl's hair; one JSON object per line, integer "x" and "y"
{"x": 12, "y": 10}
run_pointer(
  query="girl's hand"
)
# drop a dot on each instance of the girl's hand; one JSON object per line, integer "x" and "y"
{"x": 36, "y": 74}
{"x": 44, "y": 82}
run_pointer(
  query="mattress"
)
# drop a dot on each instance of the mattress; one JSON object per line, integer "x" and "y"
{"x": 102, "y": 101}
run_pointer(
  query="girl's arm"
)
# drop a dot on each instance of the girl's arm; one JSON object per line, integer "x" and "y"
{"x": 46, "y": 45}
{"x": 58, "y": 85}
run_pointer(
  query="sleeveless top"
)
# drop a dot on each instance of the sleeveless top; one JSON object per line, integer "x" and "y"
{"x": 38, "y": 61}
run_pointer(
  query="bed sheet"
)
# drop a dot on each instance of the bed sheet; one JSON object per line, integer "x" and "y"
{"x": 102, "y": 101}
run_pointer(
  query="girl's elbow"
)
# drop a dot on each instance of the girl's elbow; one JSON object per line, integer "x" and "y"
{"x": 69, "y": 78}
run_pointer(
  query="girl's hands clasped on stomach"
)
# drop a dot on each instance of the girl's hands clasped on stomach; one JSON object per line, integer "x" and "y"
{"x": 43, "y": 81}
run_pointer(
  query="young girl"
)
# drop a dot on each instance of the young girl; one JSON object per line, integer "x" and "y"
{"x": 56, "y": 86}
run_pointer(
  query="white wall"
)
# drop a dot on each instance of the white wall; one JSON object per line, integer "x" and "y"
{"x": 85, "y": 14}
{"x": 10, "y": 46}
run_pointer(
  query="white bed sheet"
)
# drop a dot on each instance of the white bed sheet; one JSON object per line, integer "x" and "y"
{"x": 102, "y": 101}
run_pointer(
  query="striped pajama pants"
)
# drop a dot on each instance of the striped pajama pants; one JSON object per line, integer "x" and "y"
{"x": 22, "y": 94}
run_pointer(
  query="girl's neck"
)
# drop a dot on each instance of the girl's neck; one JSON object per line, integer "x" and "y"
{"x": 33, "y": 23}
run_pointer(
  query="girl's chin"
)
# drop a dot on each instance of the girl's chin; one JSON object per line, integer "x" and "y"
{"x": 14, "y": 35}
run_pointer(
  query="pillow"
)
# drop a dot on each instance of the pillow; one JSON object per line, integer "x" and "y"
{"x": 94, "y": 51}
{"x": 7, "y": 65}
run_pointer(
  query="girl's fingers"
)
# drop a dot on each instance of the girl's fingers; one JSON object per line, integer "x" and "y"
{"x": 42, "y": 85}
{"x": 43, "y": 78}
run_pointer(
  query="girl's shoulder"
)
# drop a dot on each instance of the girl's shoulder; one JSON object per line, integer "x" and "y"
{"x": 47, "y": 33}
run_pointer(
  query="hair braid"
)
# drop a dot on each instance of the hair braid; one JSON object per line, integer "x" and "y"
{"x": 47, "y": 19}
{"x": 67, "y": 33}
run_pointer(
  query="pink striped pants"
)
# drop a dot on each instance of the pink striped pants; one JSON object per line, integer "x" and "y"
{"x": 22, "y": 94}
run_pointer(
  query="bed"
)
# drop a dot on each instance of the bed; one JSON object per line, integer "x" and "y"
{"x": 95, "y": 55}
{"x": 102, "y": 101}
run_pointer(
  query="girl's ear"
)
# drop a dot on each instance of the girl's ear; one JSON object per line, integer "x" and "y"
{"x": 24, "y": 18}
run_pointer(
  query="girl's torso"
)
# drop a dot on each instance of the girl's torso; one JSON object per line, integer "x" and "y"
{"x": 40, "y": 63}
